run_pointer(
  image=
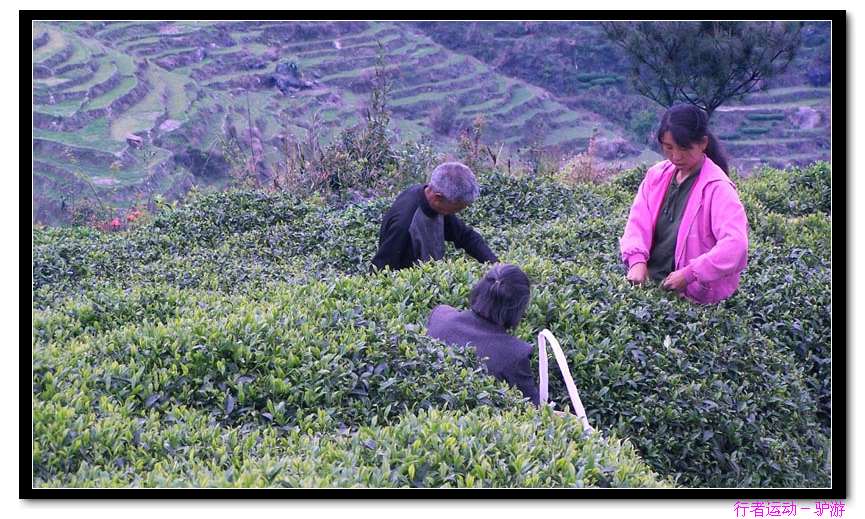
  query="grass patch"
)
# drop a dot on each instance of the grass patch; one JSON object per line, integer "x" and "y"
{"x": 765, "y": 117}
{"x": 502, "y": 90}
{"x": 780, "y": 106}
{"x": 590, "y": 76}
{"x": 126, "y": 85}
{"x": 521, "y": 95}
{"x": 64, "y": 109}
{"x": 547, "y": 107}
{"x": 125, "y": 64}
{"x": 139, "y": 118}
{"x": 426, "y": 96}
{"x": 228, "y": 76}
{"x": 570, "y": 116}
{"x": 72, "y": 168}
{"x": 338, "y": 54}
{"x": 772, "y": 141}
{"x": 95, "y": 136}
{"x": 755, "y": 130}
{"x": 451, "y": 59}
{"x": 175, "y": 87}
{"x": 425, "y": 50}
{"x": 106, "y": 70}
{"x": 56, "y": 42}
{"x": 790, "y": 90}
{"x": 173, "y": 50}
{"x": 49, "y": 81}
{"x": 370, "y": 33}
{"x": 566, "y": 134}
{"x": 81, "y": 54}
{"x": 411, "y": 130}
{"x": 445, "y": 85}
{"x": 167, "y": 93}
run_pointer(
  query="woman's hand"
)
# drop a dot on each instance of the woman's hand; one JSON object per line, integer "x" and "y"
{"x": 676, "y": 281}
{"x": 637, "y": 273}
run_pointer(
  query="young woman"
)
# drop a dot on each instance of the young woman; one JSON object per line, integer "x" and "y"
{"x": 687, "y": 228}
{"x": 497, "y": 304}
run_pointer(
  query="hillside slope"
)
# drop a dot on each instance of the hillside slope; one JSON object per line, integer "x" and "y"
{"x": 131, "y": 108}
{"x": 126, "y": 110}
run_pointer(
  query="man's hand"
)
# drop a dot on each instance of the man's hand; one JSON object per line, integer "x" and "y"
{"x": 637, "y": 273}
{"x": 675, "y": 281}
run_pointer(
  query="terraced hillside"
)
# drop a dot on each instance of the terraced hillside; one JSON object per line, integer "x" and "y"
{"x": 786, "y": 122}
{"x": 778, "y": 126}
{"x": 88, "y": 97}
{"x": 126, "y": 110}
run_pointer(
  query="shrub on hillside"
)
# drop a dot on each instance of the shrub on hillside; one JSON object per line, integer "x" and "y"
{"x": 506, "y": 201}
{"x": 755, "y": 130}
{"x": 819, "y": 73}
{"x": 765, "y": 117}
{"x": 694, "y": 388}
{"x": 302, "y": 361}
{"x": 642, "y": 126}
{"x": 414, "y": 164}
{"x": 443, "y": 117}
{"x": 630, "y": 179}
{"x": 792, "y": 192}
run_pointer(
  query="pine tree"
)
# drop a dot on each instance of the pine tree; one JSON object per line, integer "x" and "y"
{"x": 704, "y": 63}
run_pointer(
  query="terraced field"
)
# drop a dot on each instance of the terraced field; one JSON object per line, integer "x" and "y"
{"x": 779, "y": 126}
{"x": 181, "y": 86}
{"x": 787, "y": 123}
{"x": 110, "y": 97}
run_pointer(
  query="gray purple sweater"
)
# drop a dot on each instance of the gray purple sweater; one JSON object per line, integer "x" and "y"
{"x": 507, "y": 357}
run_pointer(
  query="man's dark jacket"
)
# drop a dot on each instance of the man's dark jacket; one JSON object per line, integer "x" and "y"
{"x": 507, "y": 357}
{"x": 412, "y": 231}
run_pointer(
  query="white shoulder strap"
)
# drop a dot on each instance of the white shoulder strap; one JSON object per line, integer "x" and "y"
{"x": 543, "y": 368}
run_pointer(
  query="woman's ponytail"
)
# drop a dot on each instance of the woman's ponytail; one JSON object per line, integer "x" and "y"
{"x": 716, "y": 152}
{"x": 502, "y": 295}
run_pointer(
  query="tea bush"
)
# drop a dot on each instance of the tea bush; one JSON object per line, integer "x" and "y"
{"x": 239, "y": 340}
{"x": 289, "y": 364}
{"x": 694, "y": 388}
{"x": 479, "y": 448}
{"x": 795, "y": 192}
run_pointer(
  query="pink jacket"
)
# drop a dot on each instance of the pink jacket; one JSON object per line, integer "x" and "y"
{"x": 712, "y": 244}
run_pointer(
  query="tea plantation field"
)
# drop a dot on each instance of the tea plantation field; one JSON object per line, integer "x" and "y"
{"x": 239, "y": 340}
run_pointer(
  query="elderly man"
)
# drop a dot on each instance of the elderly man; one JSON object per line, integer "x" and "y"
{"x": 423, "y": 216}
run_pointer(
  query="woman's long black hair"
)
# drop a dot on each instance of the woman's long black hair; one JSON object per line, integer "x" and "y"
{"x": 688, "y": 124}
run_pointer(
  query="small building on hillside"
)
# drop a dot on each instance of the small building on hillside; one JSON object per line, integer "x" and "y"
{"x": 134, "y": 140}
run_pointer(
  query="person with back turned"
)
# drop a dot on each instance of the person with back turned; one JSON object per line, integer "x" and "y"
{"x": 497, "y": 304}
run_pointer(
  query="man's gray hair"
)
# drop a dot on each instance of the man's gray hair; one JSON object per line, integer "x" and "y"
{"x": 455, "y": 181}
